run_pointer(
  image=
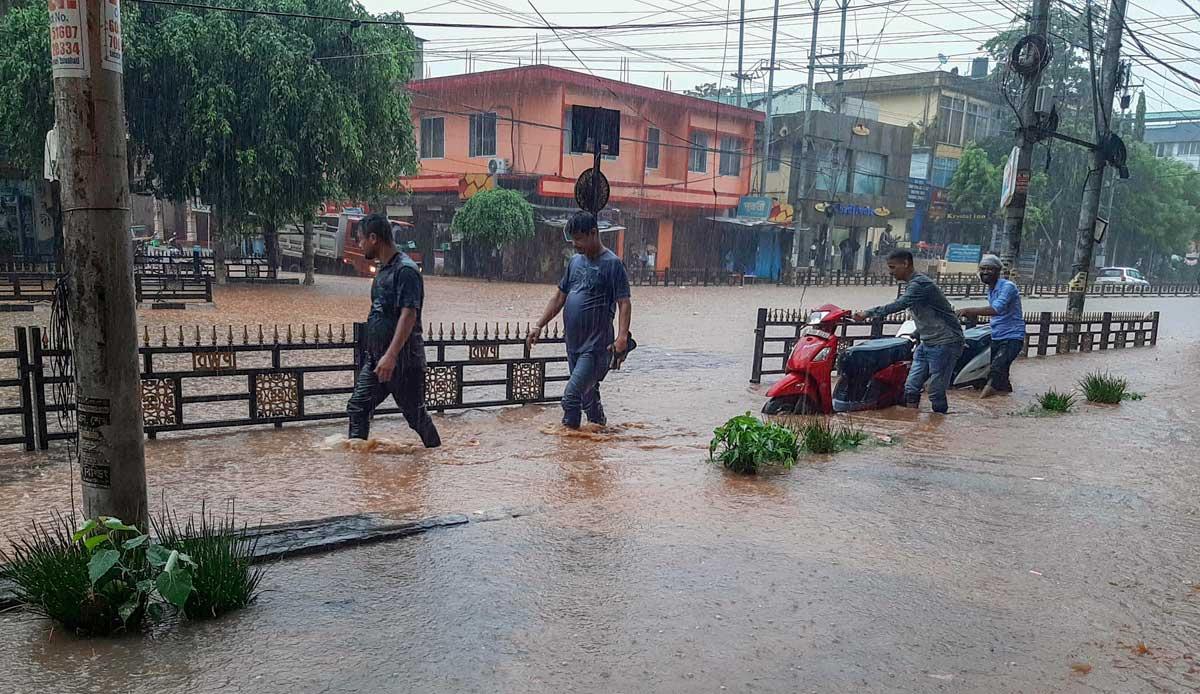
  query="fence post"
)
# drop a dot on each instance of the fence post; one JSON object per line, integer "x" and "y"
{"x": 39, "y": 387}
{"x": 1105, "y": 330}
{"x": 1154, "y": 329}
{"x": 1043, "y": 333}
{"x": 760, "y": 334}
{"x": 20, "y": 338}
{"x": 667, "y": 277}
{"x": 208, "y": 292}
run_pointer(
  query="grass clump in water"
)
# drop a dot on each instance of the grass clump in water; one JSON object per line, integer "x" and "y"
{"x": 1104, "y": 388}
{"x": 745, "y": 442}
{"x": 822, "y": 437}
{"x": 1054, "y": 401}
{"x": 223, "y": 578}
{"x": 50, "y": 573}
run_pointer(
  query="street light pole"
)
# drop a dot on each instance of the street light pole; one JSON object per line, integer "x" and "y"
{"x": 86, "y": 54}
{"x": 766, "y": 148}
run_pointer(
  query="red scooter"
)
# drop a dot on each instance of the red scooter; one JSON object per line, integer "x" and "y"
{"x": 871, "y": 373}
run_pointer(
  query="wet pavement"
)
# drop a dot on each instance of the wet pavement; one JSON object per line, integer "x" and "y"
{"x": 983, "y": 552}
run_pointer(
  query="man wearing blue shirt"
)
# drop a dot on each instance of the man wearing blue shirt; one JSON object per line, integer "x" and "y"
{"x": 592, "y": 290}
{"x": 1008, "y": 324}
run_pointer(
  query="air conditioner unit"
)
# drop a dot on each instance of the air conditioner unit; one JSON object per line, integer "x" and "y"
{"x": 498, "y": 165}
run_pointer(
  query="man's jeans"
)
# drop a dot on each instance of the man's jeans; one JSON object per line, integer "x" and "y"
{"x": 935, "y": 364}
{"x": 583, "y": 390}
{"x": 407, "y": 387}
{"x": 1004, "y": 353}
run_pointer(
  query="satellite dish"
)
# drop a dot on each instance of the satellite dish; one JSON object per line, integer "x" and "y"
{"x": 783, "y": 132}
{"x": 943, "y": 59}
{"x": 861, "y": 130}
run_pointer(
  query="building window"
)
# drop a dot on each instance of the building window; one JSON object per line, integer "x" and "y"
{"x": 978, "y": 123}
{"x": 943, "y": 171}
{"x": 731, "y": 156}
{"x": 1164, "y": 149}
{"x": 569, "y": 144}
{"x": 918, "y": 166}
{"x": 482, "y": 139}
{"x": 950, "y": 120}
{"x": 831, "y": 170}
{"x": 698, "y": 155}
{"x": 870, "y": 170}
{"x": 433, "y": 138}
{"x": 1187, "y": 149}
{"x": 652, "y": 140}
{"x": 774, "y": 155}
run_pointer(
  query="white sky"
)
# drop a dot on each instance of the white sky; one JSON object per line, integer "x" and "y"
{"x": 913, "y": 33}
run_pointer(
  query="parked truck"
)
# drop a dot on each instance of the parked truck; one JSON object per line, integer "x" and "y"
{"x": 336, "y": 248}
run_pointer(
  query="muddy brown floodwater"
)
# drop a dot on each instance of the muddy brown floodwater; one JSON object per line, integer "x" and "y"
{"x": 982, "y": 552}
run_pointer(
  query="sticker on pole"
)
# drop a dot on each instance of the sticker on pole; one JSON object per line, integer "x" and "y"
{"x": 68, "y": 38}
{"x": 112, "y": 56}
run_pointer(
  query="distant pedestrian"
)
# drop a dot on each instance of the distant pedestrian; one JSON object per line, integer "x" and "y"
{"x": 937, "y": 326}
{"x": 592, "y": 290}
{"x": 1008, "y": 324}
{"x": 395, "y": 352}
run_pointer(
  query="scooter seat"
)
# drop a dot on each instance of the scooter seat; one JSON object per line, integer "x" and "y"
{"x": 866, "y": 358}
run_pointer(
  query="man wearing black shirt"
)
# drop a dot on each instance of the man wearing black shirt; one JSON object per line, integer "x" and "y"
{"x": 395, "y": 352}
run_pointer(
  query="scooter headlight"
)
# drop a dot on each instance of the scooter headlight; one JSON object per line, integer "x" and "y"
{"x": 822, "y": 355}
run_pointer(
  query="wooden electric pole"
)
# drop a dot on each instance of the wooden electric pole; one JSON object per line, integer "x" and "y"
{"x": 86, "y": 54}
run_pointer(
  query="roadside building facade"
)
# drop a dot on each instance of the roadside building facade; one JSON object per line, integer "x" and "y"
{"x": 947, "y": 112}
{"x": 682, "y": 161}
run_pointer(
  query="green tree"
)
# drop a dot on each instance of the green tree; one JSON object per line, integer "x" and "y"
{"x": 263, "y": 117}
{"x": 710, "y": 90}
{"x": 273, "y": 115}
{"x": 26, "y": 87}
{"x": 975, "y": 187}
{"x": 494, "y": 218}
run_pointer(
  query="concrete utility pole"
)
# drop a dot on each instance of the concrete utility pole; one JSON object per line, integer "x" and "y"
{"x": 767, "y": 131}
{"x": 1014, "y": 215}
{"x": 741, "y": 51}
{"x": 1085, "y": 238}
{"x": 798, "y": 180}
{"x": 86, "y": 54}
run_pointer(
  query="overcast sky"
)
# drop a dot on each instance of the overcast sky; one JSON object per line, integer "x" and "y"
{"x": 889, "y": 36}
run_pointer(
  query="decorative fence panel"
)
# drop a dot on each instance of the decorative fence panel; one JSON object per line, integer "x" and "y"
{"x": 164, "y": 288}
{"x": 213, "y": 378}
{"x": 1046, "y": 333}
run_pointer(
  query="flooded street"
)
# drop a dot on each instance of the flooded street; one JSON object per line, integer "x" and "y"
{"x": 983, "y": 552}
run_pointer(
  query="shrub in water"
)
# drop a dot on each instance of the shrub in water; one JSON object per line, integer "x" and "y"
{"x": 745, "y": 442}
{"x": 107, "y": 576}
{"x": 1054, "y": 401}
{"x": 1104, "y": 388}
{"x": 99, "y": 580}
{"x": 223, "y": 578}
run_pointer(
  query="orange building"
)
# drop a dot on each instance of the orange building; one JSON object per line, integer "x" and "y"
{"x": 682, "y": 159}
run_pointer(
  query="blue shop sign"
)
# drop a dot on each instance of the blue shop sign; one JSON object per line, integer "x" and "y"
{"x": 963, "y": 253}
{"x": 754, "y": 207}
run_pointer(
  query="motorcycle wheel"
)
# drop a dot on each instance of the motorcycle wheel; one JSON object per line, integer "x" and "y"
{"x": 776, "y": 406}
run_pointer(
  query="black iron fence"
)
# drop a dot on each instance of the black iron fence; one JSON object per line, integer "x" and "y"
{"x": 209, "y": 378}
{"x": 41, "y": 263}
{"x": 27, "y": 286}
{"x": 969, "y": 287}
{"x": 158, "y": 289}
{"x": 1046, "y": 333}
{"x": 237, "y": 269}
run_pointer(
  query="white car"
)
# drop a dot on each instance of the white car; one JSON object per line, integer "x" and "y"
{"x": 1121, "y": 275}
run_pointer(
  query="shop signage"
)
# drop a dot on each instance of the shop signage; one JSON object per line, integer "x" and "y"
{"x": 963, "y": 253}
{"x": 918, "y": 191}
{"x": 755, "y": 207}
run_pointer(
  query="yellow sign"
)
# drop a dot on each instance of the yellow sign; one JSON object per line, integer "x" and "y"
{"x": 470, "y": 184}
{"x": 782, "y": 213}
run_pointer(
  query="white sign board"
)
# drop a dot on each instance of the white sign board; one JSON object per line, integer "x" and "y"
{"x": 1010, "y": 178}
{"x": 68, "y": 38}
{"x": 112, "y": 55}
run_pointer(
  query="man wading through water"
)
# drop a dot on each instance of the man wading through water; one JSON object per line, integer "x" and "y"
{"x": 1008, "y": 324}
{"x": 395, "y": 351}
{"x": 937, "y": 325}
{"x": 592, "y": 288}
